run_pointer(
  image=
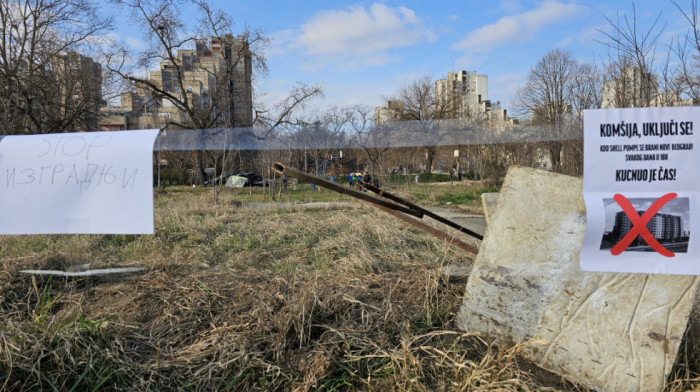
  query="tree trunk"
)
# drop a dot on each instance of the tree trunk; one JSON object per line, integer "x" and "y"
{"x": 555, "y": 156}
{"x": 200, "y": 166}
{"x": 430, "y": 157}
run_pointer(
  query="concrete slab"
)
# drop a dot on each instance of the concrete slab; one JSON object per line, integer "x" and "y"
{"x": 607, "y": 331}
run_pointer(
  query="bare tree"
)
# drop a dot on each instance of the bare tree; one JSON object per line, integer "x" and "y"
{"x": 687, "y": 50}
{"x": 338, "y": 122}
{"x": 372, "y": 138}
{"x": 204, "y": 75}
{"x": 585, "y": 89}
{"x": 553, "y": 86}
{"x": 285, "y": 112}
{"x": 283, "y": 123}
{"x": 420, "y": 105}
{"x": 47, "y": 82}
{"x": 631, "y": 61}
{"x": 203, "y": 79}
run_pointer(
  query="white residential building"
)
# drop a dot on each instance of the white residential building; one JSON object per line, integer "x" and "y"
{"x": 390, "y": 112}
{"x": 465, "y": 93}
{"x": 632, "y": 89}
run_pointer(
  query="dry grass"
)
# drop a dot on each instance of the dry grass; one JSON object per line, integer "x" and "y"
{"x": 238, "y": 299}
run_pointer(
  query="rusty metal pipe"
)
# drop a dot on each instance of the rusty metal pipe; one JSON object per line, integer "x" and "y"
{"x": 425, "y": 212}
{"x": 298, "y": 174}
{"x": 430, "y": 230}
{"x": 396, "y": 210}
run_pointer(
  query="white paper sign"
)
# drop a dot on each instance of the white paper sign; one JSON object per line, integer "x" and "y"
{"x": 640, "y": 184}
{"x": 77, "y": 183}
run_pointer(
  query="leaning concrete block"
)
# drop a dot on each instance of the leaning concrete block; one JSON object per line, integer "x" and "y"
{"x": 608, "y": 331}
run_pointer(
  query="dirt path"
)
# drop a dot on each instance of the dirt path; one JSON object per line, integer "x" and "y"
{"x": 474, "y": 222}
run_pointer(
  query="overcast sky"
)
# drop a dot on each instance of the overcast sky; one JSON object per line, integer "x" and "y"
{"x": 362, "y": 52}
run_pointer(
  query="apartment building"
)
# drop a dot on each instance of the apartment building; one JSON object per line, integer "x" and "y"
{"x": 392, "y": 111}
{"x": 215, "y": 77}
{"x": 63, "y": 93}
{"x": 80, "y": 87}
{"x": 633, "y": 88}
{"x": 465, "y": 95}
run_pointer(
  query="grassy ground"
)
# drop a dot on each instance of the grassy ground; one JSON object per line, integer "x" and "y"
{"x": 340, "y": 298}
{"x": 464, "y": 195}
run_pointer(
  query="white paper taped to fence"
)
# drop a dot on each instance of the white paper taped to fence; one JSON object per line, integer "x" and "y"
{"x": 77, "y": 183}
{"x": 641, "y": 180}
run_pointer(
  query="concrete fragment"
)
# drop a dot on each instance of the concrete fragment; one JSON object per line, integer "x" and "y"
{"x": 488, "y": 201}
{"x": 607, "y": 331}
{"x": 456, "y": 272}
{"x": 94, "y": 272}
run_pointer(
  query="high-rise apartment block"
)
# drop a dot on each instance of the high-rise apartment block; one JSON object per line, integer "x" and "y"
{"x": 463, "y": 95}
{"x": 56, "y": 92}
{"x": 633, "y": 88}
{"x": 216, "y": 75}
{"x": 466, "y": 96}
{"x": 79, "y": 81}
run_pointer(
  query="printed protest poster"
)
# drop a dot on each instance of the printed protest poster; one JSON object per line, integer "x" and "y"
{"x": 640, "y": 184}
{"x": 77, "y": 183}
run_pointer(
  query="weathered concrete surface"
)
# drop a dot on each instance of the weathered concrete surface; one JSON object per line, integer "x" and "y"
{"x": 608, "y": 331}
{"x": 488, "y": 201}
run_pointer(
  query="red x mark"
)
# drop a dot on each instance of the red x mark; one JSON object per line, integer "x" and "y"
{"x": 639, "y": 224}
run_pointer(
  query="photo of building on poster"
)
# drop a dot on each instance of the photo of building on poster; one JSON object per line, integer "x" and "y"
{"x": 670, "y": 226}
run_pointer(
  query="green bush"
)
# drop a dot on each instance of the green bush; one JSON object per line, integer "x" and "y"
{"x": 433, "y": 177}
{"x": 171, "y": 176}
